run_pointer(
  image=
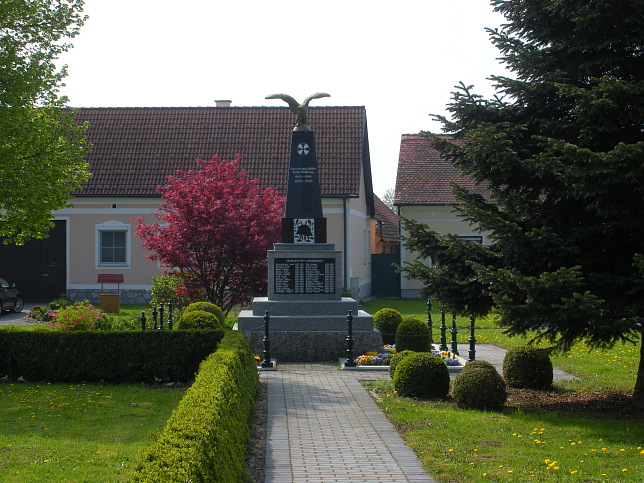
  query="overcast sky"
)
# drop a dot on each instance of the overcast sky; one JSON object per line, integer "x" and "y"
{"x": 398, "y": 59}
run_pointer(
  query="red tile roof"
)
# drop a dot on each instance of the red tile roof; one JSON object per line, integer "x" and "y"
{"x": 425, "y": 177}
{"x": 136, "y": 148}
{"x": 387, "y": 220}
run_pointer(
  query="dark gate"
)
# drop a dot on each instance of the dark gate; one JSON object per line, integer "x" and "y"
{"x": 37, "y": 267}
{"x": 384, "y": 279}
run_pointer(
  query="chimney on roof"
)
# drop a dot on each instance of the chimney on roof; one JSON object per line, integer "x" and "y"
{"x": 222, "y": 103}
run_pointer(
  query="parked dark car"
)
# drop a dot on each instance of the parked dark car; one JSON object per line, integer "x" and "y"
{"x": 9, "y": 297}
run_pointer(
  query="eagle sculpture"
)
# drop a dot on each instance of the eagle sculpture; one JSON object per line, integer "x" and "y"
{"x": 301, "y": 122}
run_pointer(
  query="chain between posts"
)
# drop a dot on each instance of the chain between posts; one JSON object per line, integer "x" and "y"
{"x": 454, "y": 334}
{"x": 429, "y": 321}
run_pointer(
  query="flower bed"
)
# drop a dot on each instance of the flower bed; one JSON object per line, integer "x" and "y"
{"x": 383, "y": 358}
{"x": 374, "y": 359}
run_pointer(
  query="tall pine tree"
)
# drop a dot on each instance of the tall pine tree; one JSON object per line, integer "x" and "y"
{"x": 561, "y": 149}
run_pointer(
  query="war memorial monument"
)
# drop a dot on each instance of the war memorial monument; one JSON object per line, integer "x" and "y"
{"x": 307, "y": 313}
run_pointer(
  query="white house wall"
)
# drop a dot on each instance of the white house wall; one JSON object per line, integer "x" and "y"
{"x": 441, "y": 219}
{"x": 87, "y": 216}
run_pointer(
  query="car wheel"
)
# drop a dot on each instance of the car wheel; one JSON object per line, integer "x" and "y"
{"x": 19, "y": 305}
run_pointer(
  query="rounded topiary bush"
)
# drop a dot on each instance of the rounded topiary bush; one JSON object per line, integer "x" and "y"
{"x": 198, "y": 319}
{"x": 398, "y": 356}
{"x": 387, "y": 322}
{"x": 471, "y": 365}
{"x": 207, "y": 307}
{"x": 413, "y": 334}
{"x": 527, "y": 367}
{"x": 480, "y": 387}
{"x": 421, "y": 375}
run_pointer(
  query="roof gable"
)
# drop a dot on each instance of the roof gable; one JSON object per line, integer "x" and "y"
{"x": 387, "y": 220}
{"x": 425, "y": 177}
{"x": 134, "y": 149}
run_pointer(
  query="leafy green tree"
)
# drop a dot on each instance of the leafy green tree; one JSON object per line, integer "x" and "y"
{"x": 41, "y": 149}
{"x": 561, "y": 150}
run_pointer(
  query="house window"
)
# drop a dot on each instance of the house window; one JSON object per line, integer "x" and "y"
{"x": 471, "y": 238}
{"x": 112, "y": 246}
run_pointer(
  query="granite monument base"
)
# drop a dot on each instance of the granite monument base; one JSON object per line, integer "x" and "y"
{"x": 308, "y": 330}
{"x": 317, "y": 346}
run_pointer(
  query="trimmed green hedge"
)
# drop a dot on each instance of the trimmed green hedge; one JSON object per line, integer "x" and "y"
{"x": 69, "y": 356}
{"x": 205, "y": 438}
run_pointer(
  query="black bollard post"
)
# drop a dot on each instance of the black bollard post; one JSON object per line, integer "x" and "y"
{"x": 267, "y": 343}
{"x": 142, "y": 319}
{"x": 170, "y": 323}
{"x": 351, "y": 361}
{"x": 161, "y": 317}
{"x": 154, "y": 317}
{"x": 454, "y": 334}
{"x": 429, "y": 321}
{"x": 472, "y": 339}
{"x": 443, "y": 346}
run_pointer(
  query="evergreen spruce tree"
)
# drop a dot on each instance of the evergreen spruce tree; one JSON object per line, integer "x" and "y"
{"x": 561, "y": 150}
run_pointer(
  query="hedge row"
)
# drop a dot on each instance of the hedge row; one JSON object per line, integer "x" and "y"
{"x": 62, "y": 356}
{"x": 206, "y": 436}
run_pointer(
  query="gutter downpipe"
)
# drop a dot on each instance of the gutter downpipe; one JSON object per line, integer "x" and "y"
{"x": 346, "y": 244}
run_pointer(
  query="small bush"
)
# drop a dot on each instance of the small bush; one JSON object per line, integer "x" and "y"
{"x": 527, "y": 367}
{"x": 167, "y": 287}
{"x": 37, "y": 312}
{"x": 477, "y": 365}
{"x": 413, "y": 334}
{"x": 80, "y": 316}
{"x": 421, "y": 375}
{"x": 207, "y": 307}
{"x": 398, "y": 356}
{"x": 63, "y": 301}
{"x": 479, "y": 387}
{"x": 198, "y": 319}
{"x": 387, "y": 322}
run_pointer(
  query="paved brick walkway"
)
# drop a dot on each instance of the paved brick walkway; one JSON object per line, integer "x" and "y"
{"x": 324, "y": 427}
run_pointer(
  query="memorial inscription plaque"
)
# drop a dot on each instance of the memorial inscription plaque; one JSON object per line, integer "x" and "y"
{"x": 304, "y": 276}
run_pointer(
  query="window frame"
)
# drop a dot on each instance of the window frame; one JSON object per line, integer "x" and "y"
{"x": 112, "y": 227}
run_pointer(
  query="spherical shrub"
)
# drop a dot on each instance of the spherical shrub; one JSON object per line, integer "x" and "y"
{"x": 527, "y": 367}
{"x": 387, "y": 322}
{"x": 477, "y": 365}
{"x": 413, "y": 334}
{"x": 421, "y": 375}
{"x": 480, "y": 387}
{"x": 198, "y": 319}
{"x": 398, "y": 356}
{"x": 207, "y": 307}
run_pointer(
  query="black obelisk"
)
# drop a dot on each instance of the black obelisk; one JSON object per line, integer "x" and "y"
{"x": 303, "y": 221}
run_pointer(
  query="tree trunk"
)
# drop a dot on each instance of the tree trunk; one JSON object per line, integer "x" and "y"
{"x": 638, "y": 392}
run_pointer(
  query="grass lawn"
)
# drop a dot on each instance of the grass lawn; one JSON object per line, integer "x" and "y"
{"x": 521, "y": 443}
{"x": 78, "y": 432}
